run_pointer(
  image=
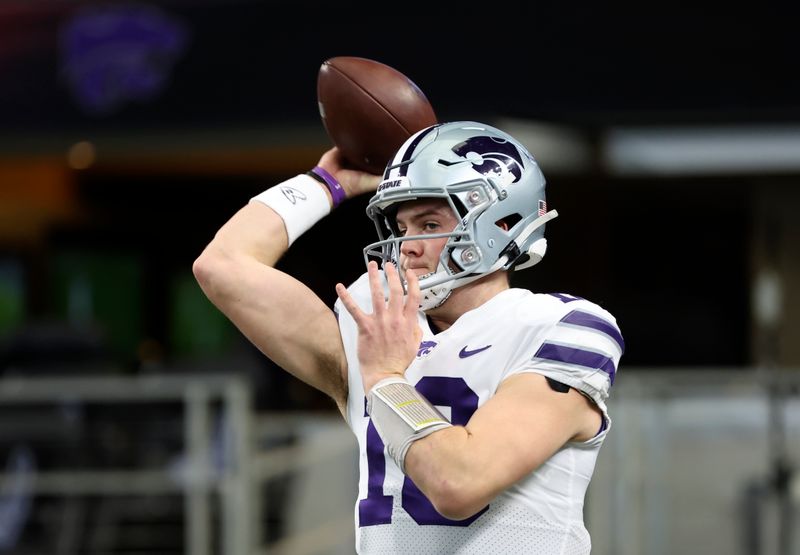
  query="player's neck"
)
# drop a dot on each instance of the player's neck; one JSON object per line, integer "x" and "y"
{"x": 466, "y": 298}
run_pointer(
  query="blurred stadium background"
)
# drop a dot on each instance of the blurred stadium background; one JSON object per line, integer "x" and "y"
{"x": 135, "y": 419}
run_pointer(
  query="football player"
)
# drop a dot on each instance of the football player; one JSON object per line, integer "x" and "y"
{"x": 479, "y": 408}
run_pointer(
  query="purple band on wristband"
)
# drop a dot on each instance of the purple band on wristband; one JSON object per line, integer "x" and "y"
{"x": 337, "y": 193}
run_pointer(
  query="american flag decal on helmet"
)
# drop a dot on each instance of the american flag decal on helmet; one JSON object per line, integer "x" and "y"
{"x": 542, "y": 207}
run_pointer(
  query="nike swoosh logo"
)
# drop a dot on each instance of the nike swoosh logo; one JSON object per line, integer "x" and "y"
{"x": 464, "y": 353}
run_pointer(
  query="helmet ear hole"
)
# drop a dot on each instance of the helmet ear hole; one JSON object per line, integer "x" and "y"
{"x": 508, "y": 222}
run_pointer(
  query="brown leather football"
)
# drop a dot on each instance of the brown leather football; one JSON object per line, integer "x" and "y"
{"x": 369, "y": 109}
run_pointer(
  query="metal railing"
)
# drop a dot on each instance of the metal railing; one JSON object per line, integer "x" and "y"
{"x": 674, "y": 432}
{"x": 199, "y": 482}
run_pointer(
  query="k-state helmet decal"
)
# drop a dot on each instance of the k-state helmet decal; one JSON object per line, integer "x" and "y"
{"x": 497, "y": 156}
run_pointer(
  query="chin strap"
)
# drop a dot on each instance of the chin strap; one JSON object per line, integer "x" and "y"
{"x": 435, "y": 296}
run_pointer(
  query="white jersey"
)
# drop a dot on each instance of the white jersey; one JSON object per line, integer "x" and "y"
{"x": 559, "y": 336}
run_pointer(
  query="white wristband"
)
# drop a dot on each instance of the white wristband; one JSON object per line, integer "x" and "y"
{"x": 402, "y": 415}
{"x": 300, "y": 202}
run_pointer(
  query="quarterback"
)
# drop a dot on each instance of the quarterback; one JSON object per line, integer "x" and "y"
{"x": 479, "y": 408}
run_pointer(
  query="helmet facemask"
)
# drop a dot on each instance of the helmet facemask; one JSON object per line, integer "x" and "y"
{"x": 460, "y": 260}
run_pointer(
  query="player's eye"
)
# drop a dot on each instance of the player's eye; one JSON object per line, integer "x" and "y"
{"x": 430, "y": 227}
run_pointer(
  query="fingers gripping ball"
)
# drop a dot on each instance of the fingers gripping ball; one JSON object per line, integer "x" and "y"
{"x": 369, "y": 109}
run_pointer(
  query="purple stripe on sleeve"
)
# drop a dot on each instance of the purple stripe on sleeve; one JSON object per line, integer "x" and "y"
{"x": 579, "y": 357}
{"x": 588, "y": 320}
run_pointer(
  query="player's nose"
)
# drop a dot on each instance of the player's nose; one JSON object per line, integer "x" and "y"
{"x": 411, "y": 248}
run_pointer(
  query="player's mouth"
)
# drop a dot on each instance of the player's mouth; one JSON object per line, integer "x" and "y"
{"x": 418, "y": 270}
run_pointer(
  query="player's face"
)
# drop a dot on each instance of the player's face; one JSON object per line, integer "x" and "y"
{"x": 424, "y": 217}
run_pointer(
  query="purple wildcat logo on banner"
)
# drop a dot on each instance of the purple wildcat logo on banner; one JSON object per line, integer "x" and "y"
{"x": 114, "y": 54}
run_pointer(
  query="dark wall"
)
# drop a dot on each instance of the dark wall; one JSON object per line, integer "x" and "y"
{"x": 67, "y": 65}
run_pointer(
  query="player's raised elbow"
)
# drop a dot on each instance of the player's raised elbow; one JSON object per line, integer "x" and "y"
{"x": 203, "y": 268}
{"x": 210, "y": 270}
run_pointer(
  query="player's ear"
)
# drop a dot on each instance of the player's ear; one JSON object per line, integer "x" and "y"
{"x": 502, "y": 224}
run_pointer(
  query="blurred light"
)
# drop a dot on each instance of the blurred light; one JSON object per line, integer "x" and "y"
{"x": 767, "y": 298}
{"x": 708, "y": 150}
{"x": 557, "y": 148}
{"x": 81, "y": 155}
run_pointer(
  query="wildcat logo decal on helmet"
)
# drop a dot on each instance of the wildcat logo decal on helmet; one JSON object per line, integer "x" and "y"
{"x": 497, "y": 157}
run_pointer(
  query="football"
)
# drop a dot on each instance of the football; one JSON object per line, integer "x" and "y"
{"x": 369, "y": 109}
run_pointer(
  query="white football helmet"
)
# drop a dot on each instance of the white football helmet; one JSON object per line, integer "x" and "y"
{"x": 487, "y": 177}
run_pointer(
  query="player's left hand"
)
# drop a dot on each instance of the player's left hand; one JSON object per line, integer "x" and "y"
{"x": 388, "y": 339}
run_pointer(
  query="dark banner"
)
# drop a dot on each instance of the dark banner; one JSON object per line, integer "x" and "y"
{"x": 201, "y": 62}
